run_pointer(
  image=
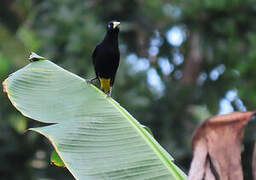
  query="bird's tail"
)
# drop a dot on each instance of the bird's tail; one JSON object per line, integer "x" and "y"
{"x": 105, "y": 84}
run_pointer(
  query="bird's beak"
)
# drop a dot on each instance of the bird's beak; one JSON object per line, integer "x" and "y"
{"x": 116, "y": 24}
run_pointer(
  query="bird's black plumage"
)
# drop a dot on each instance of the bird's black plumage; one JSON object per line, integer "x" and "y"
{"x": 106, "y": 57}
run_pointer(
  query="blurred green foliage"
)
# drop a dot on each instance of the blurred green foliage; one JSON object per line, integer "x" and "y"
{"x": 181, "y": 61}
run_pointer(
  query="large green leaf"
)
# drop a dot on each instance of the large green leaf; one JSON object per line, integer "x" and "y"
{"x": 94, "y": 136}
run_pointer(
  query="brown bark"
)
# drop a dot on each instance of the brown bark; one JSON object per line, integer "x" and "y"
{"x": 192, "y": 64}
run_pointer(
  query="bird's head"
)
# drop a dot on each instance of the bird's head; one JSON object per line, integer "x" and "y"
{"x": 113, "y": 26}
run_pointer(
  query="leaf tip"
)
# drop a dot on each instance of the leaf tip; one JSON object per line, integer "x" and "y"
{"x": 35, "y": 57}
{"x": 57, "y": 164}
{"x": 5, "y": 90}
{"x": 4, "y": 86}
{"x": 56, "y": 160}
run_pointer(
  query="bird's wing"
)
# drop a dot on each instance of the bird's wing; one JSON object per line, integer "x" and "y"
{"x": 94, "y": 54}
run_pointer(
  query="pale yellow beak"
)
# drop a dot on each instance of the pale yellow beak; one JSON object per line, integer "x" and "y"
{"x": 116, "y": 24}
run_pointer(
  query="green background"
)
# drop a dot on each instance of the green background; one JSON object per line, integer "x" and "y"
{"x": 181, "y": 61}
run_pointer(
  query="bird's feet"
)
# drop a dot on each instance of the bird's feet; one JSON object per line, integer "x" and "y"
{"x": 110, "y": 92}
{"x": 91, "y": 80}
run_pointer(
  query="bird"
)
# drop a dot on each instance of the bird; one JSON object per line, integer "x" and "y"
{"x": 106, "y": 57}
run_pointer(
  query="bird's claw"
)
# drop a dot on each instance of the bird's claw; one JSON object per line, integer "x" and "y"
{"x": 109, "y": 93}
{"x": 90, "y": 80}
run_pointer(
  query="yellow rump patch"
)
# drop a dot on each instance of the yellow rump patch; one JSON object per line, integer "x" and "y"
{"x": 105, "y": 84}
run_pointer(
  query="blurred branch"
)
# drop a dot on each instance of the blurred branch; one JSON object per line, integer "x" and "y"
{"x": 142, "y": 42}
{"x": 193, "y": 61}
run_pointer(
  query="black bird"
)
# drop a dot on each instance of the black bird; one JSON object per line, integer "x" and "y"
{"x": 106, "y": 58}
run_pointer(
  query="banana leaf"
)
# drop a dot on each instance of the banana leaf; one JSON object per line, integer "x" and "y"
{"x": 93, "y": 135}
